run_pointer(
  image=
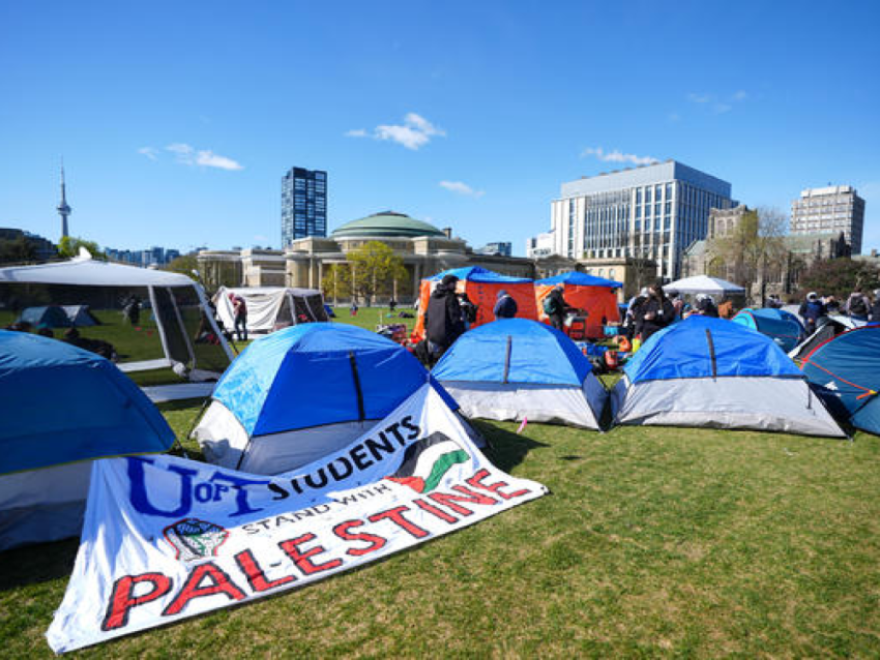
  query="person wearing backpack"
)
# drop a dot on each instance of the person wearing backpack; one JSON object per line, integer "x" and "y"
{"x": 554, "y": 307}
{"x": 858, "y": 306}
{"x": 811, "y": 310}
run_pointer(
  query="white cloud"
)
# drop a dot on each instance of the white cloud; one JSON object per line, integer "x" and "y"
{"x": 187, "y": 155}
{"x": 695, "y": 97}
{"x": 149, "y": 152}
{"x": 260, "y": 238}
{"x": 414, "y": 133}
{"x": 674, "y": 116}
{"x": 618, "y": 157}
{"x": 721, "y": 108}
{"x": 461, "y": 188}
{"x": 208, "y": 158}
{"x": 740, "y": 95}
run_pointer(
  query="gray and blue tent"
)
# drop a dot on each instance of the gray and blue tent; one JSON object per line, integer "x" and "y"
{"x": 783, "y": 327}
{"x": 713, "y": 373}
{"x": 513, "y": 369}
{"x": 63, "y": 407}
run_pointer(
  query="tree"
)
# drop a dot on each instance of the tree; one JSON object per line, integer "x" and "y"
{"x": 185, "y": 264}
{"x": 337, "y": 282}
{"x": 839, "y": 277}
{"x": 68, "y": 247}
{"x": 17, "y": 250}
{"x": 374, "y": 271}
{"x": 754, "y": 251}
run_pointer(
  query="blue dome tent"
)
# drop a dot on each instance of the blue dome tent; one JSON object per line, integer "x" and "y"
{"x": 846, "y": 371}
{"x": 64, "y": 407}
{"x": 516, "y": 368}
{"x": 783, "y": 327}
{"x": 303, "y": 392}
{"x": 713, "y": 373}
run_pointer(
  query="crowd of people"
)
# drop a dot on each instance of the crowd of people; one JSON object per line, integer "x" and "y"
{"x": 858, "y": 306}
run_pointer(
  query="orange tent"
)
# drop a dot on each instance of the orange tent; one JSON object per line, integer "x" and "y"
{"x": 594, "y": 295}
{"x": 482, "y": 287}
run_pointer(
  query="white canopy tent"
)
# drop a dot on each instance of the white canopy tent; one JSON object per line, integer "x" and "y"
{"x": 713, "y": 286}
{"x": 166, "y": 291}
{"x": 271, "y": 307}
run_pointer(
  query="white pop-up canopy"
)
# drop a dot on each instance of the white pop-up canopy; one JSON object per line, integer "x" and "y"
{"x": 714, "y": 286}
{"x": 167, "y": 293}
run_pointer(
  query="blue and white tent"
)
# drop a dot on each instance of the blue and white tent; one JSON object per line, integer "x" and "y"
{"x": 516, "y": 368}
{"x": 304, "y": 392}
{"x": 62, "y": 407}
{"x": 714, "y": 373}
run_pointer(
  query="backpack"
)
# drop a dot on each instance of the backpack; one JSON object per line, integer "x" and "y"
{"x": 858, "y": 307}
{"x": 551, "y": 306}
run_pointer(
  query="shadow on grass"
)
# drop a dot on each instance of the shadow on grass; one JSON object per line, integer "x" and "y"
{"x": 33, "y": 564}
{"x": 506, "y": 449}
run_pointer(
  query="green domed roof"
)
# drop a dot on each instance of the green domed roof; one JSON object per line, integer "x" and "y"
{"x": 387, "y": 223}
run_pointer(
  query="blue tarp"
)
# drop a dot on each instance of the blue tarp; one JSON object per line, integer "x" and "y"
{"x": 782, "y": 326}
{"x": 846, "y": 369}
{"x": 580, "y": 279}
{"x": 539, "y": 354}
{"x": 63, "y": 404}
{"x": 683, "y": 350}
{"x": 477, "y": 274}
{"x": 303, "y": 377}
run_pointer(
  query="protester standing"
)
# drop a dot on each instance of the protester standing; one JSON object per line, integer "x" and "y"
{"x": 444, "y": 322}
{"x": 555, "y": 307}
{"x": 858, "y": 306}
{"x": 875, "y": 308}
{"x": 811, "y": 310}
{"x": 657, "y": 312}
{"x": 706, "y": 305}
{"x": 505, "y": 306}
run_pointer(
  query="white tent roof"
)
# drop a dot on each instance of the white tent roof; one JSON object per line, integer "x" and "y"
{"x": 703, "y": 284}
{"x": 85, "y": 271}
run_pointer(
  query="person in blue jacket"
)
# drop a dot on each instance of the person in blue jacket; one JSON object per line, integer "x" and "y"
{"x": 505, "y": 306}
{"x": 811, "y": 310}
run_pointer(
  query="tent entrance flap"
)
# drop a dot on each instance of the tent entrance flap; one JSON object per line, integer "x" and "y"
{"x": 172, "y": 329}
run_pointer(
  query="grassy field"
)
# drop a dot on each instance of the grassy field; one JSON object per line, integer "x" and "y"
{"x": 653, "y": 542}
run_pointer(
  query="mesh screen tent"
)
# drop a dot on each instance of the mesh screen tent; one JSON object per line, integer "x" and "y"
{"x": 149, "y": 320}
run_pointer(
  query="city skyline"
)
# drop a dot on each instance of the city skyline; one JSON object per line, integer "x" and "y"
{"x": 169, "y": 144}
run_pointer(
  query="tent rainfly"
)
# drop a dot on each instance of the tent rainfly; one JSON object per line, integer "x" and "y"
{"x": 164, "y": 290}
{"x": 272, "y": 307}
{"x": 65, "y": 407}
{"x": 781, "y": 326}
{"x": 515, "y": 369}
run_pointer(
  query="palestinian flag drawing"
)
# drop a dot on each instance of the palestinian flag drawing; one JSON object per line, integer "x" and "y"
{"x": 425, "y": 462}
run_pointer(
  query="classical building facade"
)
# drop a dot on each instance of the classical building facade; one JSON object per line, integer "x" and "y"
{"x": 833, "y": 209}
{"x": 651, "y": 212}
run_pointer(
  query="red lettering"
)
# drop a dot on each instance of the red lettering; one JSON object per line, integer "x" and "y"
{"x": 468, "y": 495}
{"x": 477, "y": 482}
{"x": 440, "y": 513}
{"x": 376, "y": 542}
{"x": 303, "y": 559}
{"x": 395, "y": 515}
{"x": 255, "y": 575}
{"x": 216, "y": 582}
{"x": 123, "y": 599}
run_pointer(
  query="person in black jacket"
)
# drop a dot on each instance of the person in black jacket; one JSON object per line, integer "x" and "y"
{"x": 657, "y": 312}
{"x": 555, "y": 308}
{"x": 875, "y": 308}
{"x": 505, "y": 306}
{"x": 444, "y": 322}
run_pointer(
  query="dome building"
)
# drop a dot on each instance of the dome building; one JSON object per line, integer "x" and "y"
{"x": 424, "y": 249}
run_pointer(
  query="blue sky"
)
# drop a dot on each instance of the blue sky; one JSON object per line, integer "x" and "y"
{"x": 176, "y": 120}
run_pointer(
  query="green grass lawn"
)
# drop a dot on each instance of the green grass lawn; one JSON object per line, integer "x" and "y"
{"x": 653, "y": 542}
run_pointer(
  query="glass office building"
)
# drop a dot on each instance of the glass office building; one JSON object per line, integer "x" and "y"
{"x": 650, "y": 212}
{"x": 303, "y": 204}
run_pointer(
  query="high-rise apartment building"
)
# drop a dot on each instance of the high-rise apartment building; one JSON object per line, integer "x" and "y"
{"x": 833, "y": 209}
{"x": 303, "y": 204}
{"x": 649, "y": 212}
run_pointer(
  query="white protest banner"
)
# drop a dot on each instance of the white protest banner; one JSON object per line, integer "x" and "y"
{"x": 167, "y": 538}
